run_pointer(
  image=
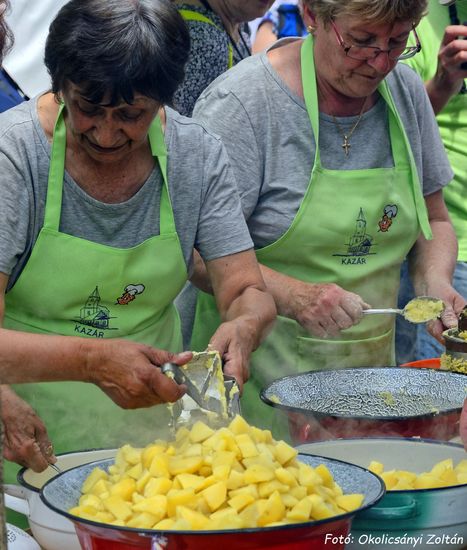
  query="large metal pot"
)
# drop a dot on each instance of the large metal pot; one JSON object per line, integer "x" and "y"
{"x": 62, "y": 493}
{"x": 366, "y": 401}
{"x": 51, "y": 530}
{"x": 455, "y": 357}
{"x": 436, "y": 518}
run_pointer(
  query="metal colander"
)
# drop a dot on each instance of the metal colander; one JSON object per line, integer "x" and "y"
{"x": 376, "y": 393}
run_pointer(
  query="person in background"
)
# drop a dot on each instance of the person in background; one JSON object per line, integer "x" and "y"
{"x": 106, "y": 192}
{"x": 442, "y": 64}
{"x": 23, "y": 73}
{"x": 219, "y": 39}
{"x": 341, "y": 172}
{"x": 282, "y": 20}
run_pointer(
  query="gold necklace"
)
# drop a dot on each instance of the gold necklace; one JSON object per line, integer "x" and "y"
{"x": 346, "y": 136}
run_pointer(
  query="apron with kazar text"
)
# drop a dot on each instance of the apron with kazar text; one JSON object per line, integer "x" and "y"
{"x": 75, "y": 287}
{"x": 353, "y": 228}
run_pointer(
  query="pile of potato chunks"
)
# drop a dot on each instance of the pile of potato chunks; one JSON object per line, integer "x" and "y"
{"x": 232, "y": 478}
{"x": 443, "y": 474}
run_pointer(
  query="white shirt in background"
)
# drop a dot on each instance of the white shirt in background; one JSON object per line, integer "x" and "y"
{"x": 29, "y": 20}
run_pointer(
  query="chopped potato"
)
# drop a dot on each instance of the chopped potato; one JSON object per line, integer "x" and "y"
{"x": 443, "y": 474}
{"x": 232, "y": 478}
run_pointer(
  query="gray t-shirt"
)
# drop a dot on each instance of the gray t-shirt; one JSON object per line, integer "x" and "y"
{"x": 202, "y": 189}
{"x": 267, "y": 132}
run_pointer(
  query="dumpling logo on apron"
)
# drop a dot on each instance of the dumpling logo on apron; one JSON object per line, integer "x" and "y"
{"x": 129, "y": 294}
{"x": 360, "y": 243}
{"x": 389, "y": 213}
{"x": 94, "y": 318}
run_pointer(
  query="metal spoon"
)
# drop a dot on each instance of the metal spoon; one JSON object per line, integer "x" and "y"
{"x": 419, "y": 310}
{"x": 56, "y": 468}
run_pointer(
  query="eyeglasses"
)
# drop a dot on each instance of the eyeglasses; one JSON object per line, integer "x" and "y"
{"x": 372, "y": 52}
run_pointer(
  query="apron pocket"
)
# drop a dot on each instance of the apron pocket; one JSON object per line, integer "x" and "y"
{"x": 319, "y": 354}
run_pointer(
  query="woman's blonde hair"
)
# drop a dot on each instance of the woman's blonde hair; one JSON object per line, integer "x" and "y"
{"x": 374, "y": 11}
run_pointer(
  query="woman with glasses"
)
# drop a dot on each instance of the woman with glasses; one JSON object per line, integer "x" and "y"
{"x": 340, "y": 169}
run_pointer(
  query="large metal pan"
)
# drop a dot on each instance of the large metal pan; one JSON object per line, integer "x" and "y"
{"x": 370, "y": 401}
{"x": 61, "y": 493}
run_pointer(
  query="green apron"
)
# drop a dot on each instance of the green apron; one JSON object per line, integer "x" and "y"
{"x": 191, "y": 15}
{"x": 75, "y": 287}
{"x": 339, "y": 235}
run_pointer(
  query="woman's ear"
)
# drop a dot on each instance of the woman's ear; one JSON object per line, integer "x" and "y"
{"x": 309, "y": 18}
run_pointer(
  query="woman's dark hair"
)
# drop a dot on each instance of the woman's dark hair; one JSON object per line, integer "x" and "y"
{"x": 118, "y": 47}
{"x": 6, "y": 36}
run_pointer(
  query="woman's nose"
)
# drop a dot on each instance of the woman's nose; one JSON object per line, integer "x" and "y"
{"x": 106, "y": 134}
{"x": 381, "y": 62}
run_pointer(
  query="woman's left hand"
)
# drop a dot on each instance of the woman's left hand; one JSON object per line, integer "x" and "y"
{"x": 449, "y": 75}
{"x": 454, "y": 304}
{"x": 25, "y": 438}
{"x": 233, "y": 340}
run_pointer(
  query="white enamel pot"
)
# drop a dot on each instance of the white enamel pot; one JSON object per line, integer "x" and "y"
{"x": 51, "y": 530}
{"x": 425, "y": 519}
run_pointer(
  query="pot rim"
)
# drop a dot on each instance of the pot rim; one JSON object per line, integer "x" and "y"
{"x": 153, "y": 532}
{"x": 408, "y": 440}
{"x": 20, "y": 475}
{"x": 318, "y": 414}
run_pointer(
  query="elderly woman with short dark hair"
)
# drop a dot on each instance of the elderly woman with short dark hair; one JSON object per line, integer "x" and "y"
{"x": 340, "y": 168}
{"x": 105, "y": 194}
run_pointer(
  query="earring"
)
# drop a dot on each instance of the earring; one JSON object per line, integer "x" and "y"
{"x": 311, "y": 29}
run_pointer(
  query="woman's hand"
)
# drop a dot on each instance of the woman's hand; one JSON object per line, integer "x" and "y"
{"x": 454, "y": 304}
{"x": 449, "y": 76}
{"x": 128, "y": 373}
{"x": 323, "y": 309}
{"x": 25, "y": 439}
{"x": 233, "y": 340}
{"x": 247, "y": 310}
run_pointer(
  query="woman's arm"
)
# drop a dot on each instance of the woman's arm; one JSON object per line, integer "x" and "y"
{"x": 448, "y": 78}
{"x": 247, "y": 310}
{"x": 265, "y": 37}
{"x": 126, "y": 371}
{"x": 323, "y": 309}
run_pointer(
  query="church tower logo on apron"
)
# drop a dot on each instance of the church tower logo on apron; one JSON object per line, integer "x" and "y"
{"x": 389, "y": 213}
{"x": 94, "y": 318}
{"x": 360, "y": 243}
{"x": 129, "y": 294}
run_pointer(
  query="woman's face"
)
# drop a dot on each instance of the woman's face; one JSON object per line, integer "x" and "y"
{"x": 108, "y": 134}
{"x": 353, "y": 77}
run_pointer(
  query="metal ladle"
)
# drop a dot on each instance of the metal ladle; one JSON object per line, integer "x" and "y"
{"x": 411, "y": 308}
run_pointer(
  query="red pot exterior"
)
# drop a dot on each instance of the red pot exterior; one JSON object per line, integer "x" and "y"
{"x": 305, "y": 428}
{"x": 308, "y": 537}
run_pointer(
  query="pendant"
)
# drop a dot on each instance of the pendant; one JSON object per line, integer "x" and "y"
{"x": 346, "y": 145}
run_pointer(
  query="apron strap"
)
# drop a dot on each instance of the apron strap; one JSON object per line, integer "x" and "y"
{"x": 403, "y": 149}
{"x": 310, "y": 91}
{"x": 53, "y": 203}
{"x": 190, "y": 15}
{"x": 159, "y": 151}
